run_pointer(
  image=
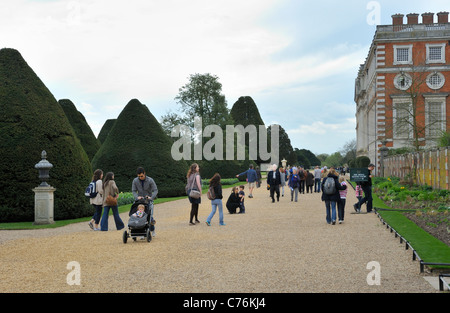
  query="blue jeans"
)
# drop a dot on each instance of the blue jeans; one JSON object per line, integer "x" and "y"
{"x": 316, "y": 184}
{"x": 216, "y": 203}
{"x": 330, "y": 205}
{"x": 117, "y": 219}
{"x": 97, "y": 213}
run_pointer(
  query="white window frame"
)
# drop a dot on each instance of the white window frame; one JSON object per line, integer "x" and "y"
{"x": 407, "y": 134}
{"x": 435, "y": 99}
{"x": 438, "y": 86}
{"x": 409, "y": 81}
{"x": 409, "y": 61}
{"x": 435, "y": 45}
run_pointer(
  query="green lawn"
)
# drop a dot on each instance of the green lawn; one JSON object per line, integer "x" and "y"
{"x": 429, "y": 248}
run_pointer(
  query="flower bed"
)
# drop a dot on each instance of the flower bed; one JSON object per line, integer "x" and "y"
{"x": 428, "y": 208}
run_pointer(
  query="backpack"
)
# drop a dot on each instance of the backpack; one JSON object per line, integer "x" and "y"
{"x": 329, "y": 187}
{"x": 301, "y": 174}
{"x": 211, "y": 194}
{"x": 90, "y": 191}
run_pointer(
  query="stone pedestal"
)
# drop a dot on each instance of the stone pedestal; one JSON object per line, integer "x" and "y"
{"x": 43, "y": 205}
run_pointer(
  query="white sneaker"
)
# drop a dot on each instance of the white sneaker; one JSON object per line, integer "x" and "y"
{"x": 153, "y": 233}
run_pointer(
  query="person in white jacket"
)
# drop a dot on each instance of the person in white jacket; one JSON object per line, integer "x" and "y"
{"x": 97, "y": 202}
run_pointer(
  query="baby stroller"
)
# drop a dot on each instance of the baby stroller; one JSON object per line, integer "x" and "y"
{"x": 140, "y": 226}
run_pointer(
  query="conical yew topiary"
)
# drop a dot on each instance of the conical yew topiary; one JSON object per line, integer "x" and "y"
{"x": 138, "y": 140}
{"x": 245, "y": 112}
{"x": 81, "y": 128}
{"x": 105, "y": 130}
{"x": 31, "y": 120}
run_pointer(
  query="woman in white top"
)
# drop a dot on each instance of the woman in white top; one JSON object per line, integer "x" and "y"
{"x": 97, "y": 202}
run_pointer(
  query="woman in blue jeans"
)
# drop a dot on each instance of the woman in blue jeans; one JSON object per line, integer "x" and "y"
{"x": 110, "y": 188}
{"x": 217, "y": 202}
{"x": 331, "y": 198}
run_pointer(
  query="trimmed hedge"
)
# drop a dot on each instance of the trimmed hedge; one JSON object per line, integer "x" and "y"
{"x": 105, "y": 130}
{"x": 31, "y": 120}
{"x": 137, "y": 139}
{"x": 81, "y": 128}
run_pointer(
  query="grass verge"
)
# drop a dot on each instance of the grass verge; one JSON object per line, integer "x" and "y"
{"x": 429, "y": 248}
{"x": 122, "y": 209}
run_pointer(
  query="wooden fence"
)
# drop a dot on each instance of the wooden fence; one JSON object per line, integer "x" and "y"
{"x": 432, "y": 167}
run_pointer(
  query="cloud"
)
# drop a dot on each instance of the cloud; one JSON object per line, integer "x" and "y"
{"x": 102, "y": 53}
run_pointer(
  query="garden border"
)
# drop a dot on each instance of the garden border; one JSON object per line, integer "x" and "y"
{"x": 415, "y": 255}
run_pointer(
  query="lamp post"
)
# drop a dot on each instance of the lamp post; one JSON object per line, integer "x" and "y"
{"x": 43, "y": 195}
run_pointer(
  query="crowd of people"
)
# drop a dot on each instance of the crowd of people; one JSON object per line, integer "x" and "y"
{"x": 296, "y": 179}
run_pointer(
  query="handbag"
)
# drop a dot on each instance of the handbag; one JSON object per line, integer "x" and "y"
{"x": 111, "y": 201}
{"x": 194, "y": 193}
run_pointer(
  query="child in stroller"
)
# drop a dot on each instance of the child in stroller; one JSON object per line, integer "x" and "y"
{"x": 140, "y": 223}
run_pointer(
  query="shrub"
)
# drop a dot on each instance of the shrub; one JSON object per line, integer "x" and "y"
{"x": 31, "y": 120}
{"x": 362, "y": 162}
{"x": 81, "y": 128}
{"x": 138, "y": 140}
{"x": 105, "y": 130}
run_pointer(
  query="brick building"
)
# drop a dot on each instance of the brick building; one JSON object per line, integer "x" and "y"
{"x": 402, "y": 90}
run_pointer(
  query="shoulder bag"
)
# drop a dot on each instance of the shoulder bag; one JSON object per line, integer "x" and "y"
{"x": 194, "y": 193}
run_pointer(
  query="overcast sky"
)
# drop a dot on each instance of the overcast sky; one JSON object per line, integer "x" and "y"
{"x": 297, "y": 59}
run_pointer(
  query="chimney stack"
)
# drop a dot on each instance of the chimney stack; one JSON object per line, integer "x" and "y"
{"x": 397, "y": 19}
{"x": 442, "y": 17}
{"x": 427, "y": 18}
{"x": 413, "y": 18}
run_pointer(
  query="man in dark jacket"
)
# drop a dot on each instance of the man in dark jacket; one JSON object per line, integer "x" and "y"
{"x": 367, "y": 188}
{"x": 331, "y": 199}
{"x": 274, "y": 181}
{"x": 144, "y": 187}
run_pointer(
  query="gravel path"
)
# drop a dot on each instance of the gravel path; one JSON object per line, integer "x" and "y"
{"x": 274, "y": 247}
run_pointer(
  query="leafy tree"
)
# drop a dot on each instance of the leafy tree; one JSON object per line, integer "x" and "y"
{"x": 200, "y": 97}
{"x": 334, "y": 159}
{"x": 302, "y": 160}
{"x": 81, "y": 128}
{"x": 309, "y": 156}
{"x": 444, "y": 140}
{"x": 135, "y": 140}
{"x": 31, "y": 120}
{"x": 322, "y": 157}
{"x": 285, "y": 146}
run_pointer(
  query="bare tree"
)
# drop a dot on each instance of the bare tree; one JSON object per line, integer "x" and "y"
{"x": 414, "y": 120}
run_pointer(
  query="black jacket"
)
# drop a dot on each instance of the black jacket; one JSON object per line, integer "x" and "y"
{"x": 218, "y": 191}
{"x": 335, "y": 196}
{"x": 233, "y": 202}
{"x": 276, "y": 181}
